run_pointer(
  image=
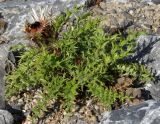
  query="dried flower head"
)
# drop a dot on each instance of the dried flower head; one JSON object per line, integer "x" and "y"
{"x": 41, "y": 23}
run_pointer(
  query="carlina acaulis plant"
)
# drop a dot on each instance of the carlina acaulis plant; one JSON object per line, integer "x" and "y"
{"x": 82, "y": 59}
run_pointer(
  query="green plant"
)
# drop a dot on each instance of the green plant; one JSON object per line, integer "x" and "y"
{"x": 82, "y": 56}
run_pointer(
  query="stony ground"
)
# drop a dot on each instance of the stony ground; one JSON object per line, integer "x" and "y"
{"x": 129, "y": 16}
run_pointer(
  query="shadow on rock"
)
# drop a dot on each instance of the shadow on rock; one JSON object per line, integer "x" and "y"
{"x": 144, "y": 48}
{"x": 17, "y": 114}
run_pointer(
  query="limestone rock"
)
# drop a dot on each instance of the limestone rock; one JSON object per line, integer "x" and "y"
{"x": 3, "y": 58}
{"x": 145, "y": 113}
{"x": 2, "y": 72}
{"x": 156, "y": 1}
{"x": 148, "y": 54}
{"x": 5, "y": 117}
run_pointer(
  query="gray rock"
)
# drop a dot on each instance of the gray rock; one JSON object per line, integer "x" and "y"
{"x": 148, "y": 54}
{"x": 151, "y": 1}
{"x": 148, "y": 51}
{"x": 145, "y": 113}
{"x": 125, "y": 1}
{"x": 2, "y": 103}
{"x": 156, "y": 1}
{"x": 16, "y": 12}
{"x": 3, "y": 58}
{"x": 122, "y": 1}
{"x": 5, "y": 117}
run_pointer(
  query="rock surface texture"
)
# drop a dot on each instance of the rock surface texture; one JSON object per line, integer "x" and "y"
{"x": 148, "y": 54}
{"x": 145, "y": 113}
{"x": 130, "y": 16}
{"x": 5, "y": 117}
{"x": 2, "y": 73}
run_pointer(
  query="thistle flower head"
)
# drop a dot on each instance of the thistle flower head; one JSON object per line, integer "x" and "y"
{"x": 40, "y": 19}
